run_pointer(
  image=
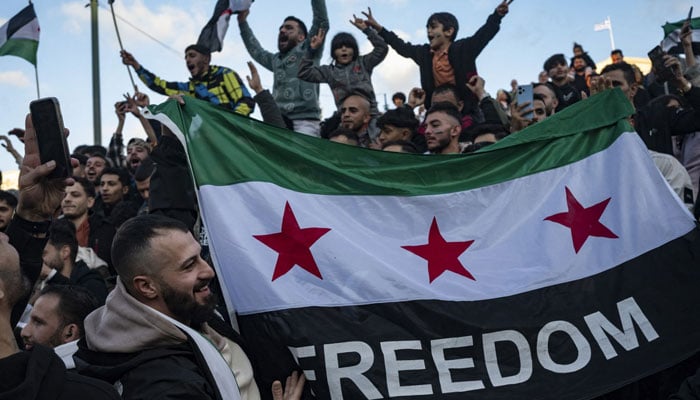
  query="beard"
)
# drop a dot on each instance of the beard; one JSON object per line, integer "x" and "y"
{"x": 184, "y": 307}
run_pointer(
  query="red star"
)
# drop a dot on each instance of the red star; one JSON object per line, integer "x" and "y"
{"x": 441, "y": 255}
{"x": 584, "y": 222}
{"x": 293, "y": 245}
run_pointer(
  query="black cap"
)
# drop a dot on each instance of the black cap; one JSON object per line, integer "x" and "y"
{"x": 201, "y": 49}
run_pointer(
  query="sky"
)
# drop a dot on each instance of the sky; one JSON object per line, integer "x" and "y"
{"x": 157, "y": 32}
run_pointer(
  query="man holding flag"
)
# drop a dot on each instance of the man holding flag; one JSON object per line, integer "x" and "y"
{"x": 218, "y": 85}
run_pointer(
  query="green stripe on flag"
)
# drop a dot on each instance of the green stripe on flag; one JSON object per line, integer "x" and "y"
{"x": 23, "y": 48}
{"x": 672, "y": 26}
{"x": 225, "y": 148}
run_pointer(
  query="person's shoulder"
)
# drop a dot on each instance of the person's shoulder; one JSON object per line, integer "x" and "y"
{"x": 165, "y": 371}
{"x": 82, "y": 387}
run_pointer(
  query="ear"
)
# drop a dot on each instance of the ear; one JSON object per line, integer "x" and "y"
{"x": 449, "y": 33}
{"x": 64, "y": 252}
{"x": 144, "y": 286}
{"x": 405, "y": 134}
{"x": 456, "y": 130}
{"x": 70, "y": 333}
{"x": 90, "y": 202}
{"x": 125, "y": 189}
{"x": 633, "y": 90}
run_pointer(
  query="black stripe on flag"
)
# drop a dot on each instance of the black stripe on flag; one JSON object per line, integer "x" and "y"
{"x": 18, "y": 21}
{"x": 570, "y": 341}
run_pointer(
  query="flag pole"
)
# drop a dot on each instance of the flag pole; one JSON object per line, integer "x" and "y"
{"x": 36, "y": 77}
{"x": 612, "y": 39}
{"x": 119, "y": 39}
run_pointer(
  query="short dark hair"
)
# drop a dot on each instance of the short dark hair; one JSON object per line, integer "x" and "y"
{"x": 96, "y": 150}
{"x": 62, "y": 233}
{"x": 122, "y": 173}
{"x": 82, "y": 158}
{"x": 301, "y": 23}
{"x": 447, "y": 108}
{"x": 8, "y": 198}
{"x": 398, "y": 95}
{"x": 553, "y": 61}
{"x": 199, "y": 48}
{"x": 344, "y": 39}
{"x": 132, "y": 242}
{"x": 616, "y": 51}
{"x": 406, "y": 146}
{"x": 580, "y": 56}
{"x": 626, "y": 69}
{"x": 348, "y": 133}
{"x": 88, "y": 186}
{"x": 74, "y": 304}
{"x": 498, "y": 130}
{"x": 449, "y": 87}
{"x": 447, "y": 20}
{"x": 402, "y": 117}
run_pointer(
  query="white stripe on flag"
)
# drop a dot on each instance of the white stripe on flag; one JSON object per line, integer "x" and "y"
{"x": 674, "y": 39}
{"x": 29, "y": 31}
{"x": 514, "y": 250}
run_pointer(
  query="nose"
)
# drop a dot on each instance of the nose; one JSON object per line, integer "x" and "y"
{"x": 205, "y": 270}
{"x": 25, "y": 333}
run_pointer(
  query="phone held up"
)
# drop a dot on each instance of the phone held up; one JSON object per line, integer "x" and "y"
{"x": 48, "y": 124}
{"x": 663, "y": 73}
{"x": 525, "y": 95}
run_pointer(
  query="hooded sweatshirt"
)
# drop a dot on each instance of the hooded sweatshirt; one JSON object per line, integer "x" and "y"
{"x": 39, "y": 374}
{"x": 150, "y": 357}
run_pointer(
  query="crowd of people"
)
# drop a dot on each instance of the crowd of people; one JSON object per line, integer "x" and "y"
{"x": 126, "y": 223}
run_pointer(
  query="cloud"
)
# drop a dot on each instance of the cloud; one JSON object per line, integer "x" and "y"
{"x": 14, "y": 78}
{"x": 176, "y": 27}
{"x": 394, "y": 74}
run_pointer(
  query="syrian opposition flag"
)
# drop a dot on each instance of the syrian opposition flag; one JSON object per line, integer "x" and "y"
{"x": 212, "y": 35}
{"x": 20, "y": 35}
{"x": 672, "y": 36}
{"x": 555, "y": 264}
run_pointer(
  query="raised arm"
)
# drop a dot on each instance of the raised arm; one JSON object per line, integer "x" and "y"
{"x": 260, "y": 55}
{"x": 404, "y": 49}
{"x": 307, "y": 70}
{"x": 11, "y": 149}
{"x": 39, "y": 198}
{"x": 269, "y": 110}
{"x": 133, "y": 103}
{"x": 483, "y": 36}
{"x": 151, "y": 80}
{"x": 381, "y": 49}
{"x": 320, "y": 21}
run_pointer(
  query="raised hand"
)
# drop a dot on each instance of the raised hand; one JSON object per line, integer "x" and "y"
{"x": 502, "y": 8}
{"x": 254, "y": 78}
{"x": 141, "y": 99}
{"x": 128, "y": 59}
{"x": 39, "y": 196}
{"x": 358, "y": 22}
{"x": 317, "y": 39}
{"x": 370, "y": 21}
{"x": 477, "y": 85}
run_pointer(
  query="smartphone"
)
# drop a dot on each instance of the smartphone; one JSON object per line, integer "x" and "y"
{"x": 48, "y": 124}
{"x": 690, "y": 13}
{"x": 524, "y": 95}
{"x": 656, "y": 55}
